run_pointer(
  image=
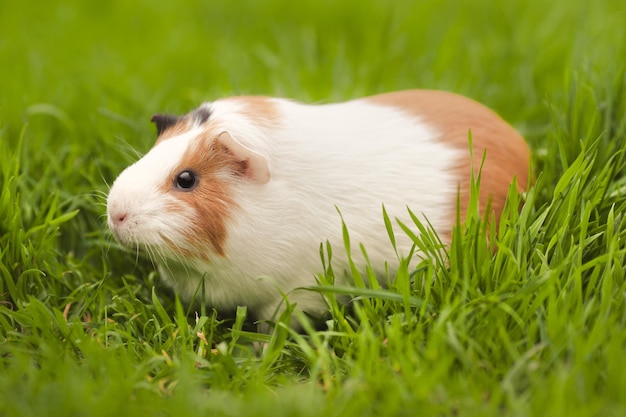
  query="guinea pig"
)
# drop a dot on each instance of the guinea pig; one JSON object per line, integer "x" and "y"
{"x": 241, "y": 191}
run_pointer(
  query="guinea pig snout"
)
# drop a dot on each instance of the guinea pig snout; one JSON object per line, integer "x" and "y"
{"x": 137, "y": 218}
{"x": 118, "y": 218}
{"x": 124, "y": 214}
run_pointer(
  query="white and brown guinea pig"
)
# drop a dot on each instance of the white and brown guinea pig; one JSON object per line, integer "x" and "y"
{"x": 241, "y": 191}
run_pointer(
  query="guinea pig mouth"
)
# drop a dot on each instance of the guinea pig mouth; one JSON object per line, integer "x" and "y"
{"x": 130, "y": 231}
{"x": 155, "y": 250}
{"x": 151, "y": 243}
{"x": 127, "y": 236}
{"x": 126, "y": 240}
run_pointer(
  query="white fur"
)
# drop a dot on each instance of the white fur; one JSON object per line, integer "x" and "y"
{"x": 352, "y": 156}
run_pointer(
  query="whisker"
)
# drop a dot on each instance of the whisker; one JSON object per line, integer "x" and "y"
{"x": 126, "y": 148}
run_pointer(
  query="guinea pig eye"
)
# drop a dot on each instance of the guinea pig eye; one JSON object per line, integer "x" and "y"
{"x": 186, "y": 180}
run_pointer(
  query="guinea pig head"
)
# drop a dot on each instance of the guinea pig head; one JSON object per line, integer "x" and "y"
{"x": 177, "y": 200}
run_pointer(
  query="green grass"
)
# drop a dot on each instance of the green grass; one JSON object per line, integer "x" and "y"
{"x": 536, "y": 328}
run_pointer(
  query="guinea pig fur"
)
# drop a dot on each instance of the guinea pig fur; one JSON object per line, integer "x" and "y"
{"x": 241, "y": 191}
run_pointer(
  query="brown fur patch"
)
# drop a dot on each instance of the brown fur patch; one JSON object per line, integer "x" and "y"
{"x": 211, "y": 200}
{"x": 453, "y": 115}
{"x": 261, "y": 110}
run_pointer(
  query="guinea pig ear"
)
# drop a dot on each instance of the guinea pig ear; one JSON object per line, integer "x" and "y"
{"x": 164, "y": 122}
{"x": 257, "y": 167}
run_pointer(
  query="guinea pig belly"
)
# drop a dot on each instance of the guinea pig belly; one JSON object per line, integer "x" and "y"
{"x": 226, "y": 286}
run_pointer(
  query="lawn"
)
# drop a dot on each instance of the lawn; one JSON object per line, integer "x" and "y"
{"x": 534, "y": 328}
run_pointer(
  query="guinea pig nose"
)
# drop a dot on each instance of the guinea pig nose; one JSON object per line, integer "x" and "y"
{"x": 119, "y": 218}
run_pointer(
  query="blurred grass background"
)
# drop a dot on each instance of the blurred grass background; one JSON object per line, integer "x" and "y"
{"x": 82, "y": 331}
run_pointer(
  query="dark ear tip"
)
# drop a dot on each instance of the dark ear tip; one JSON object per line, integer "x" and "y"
{"x": 163, "y": 122}
{"x": 162, "y": 118}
